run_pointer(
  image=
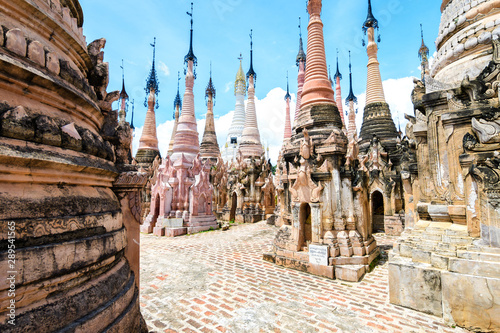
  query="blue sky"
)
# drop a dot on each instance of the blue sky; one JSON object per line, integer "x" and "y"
{"x": 221, "y": 32}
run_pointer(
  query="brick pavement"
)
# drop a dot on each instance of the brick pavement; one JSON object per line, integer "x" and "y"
{"x": 218, "y": 282}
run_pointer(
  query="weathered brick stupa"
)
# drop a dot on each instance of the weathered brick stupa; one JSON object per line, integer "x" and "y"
{"x": 281, "y": 179}
{"x": 338, "y": 91}
{"x": 250, "y": 188}
{"x": 66, "y": 207}
{"x": 287, "y": 134}
{"x": 177, "y": 109}
{"x": 238, "y": 123}
{"x": 379, "y": 145}
{"x": 447, "y": 263}
{"x": 301, "y": 64}
{"x": 181, "y": 193}
{"x": 326, "y": 224}
{"x": 148, "y": 143}
{"x": 209, "y": 148}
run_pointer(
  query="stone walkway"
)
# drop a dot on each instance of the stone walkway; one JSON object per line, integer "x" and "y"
{"x": 217, "y": 282}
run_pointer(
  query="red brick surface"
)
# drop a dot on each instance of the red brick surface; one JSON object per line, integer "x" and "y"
{"x": 218, "y": 282}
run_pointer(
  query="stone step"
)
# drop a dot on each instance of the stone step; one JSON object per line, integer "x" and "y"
{"x": 445, "y": 253}
{"x": 426, "y": 245}
{"x": 432, "y": 237}
{"x": 478, "y": 256}
{"x": 192, "y": 230}
{"x": 457, "y": 230}
{"x": 439, "y": 261}
{"x": 474, "y": 267}
{"x": 458, "y": 240}
{"x": 203, "y": 224}
{"x": 483, "y": 249}
{"x": 438, "y": 228}
{"x": 446, "y": 247}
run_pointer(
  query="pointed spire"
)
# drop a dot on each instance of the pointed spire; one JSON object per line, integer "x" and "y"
{"x": 371, "y": 21}
{"x": 132, "y": 118}
{"x": 377, "y": 118}
{"x": 338, "y": 91}
{"x": 423, "y": 52}
{"x": 177, "y": 108}
{"x": 337, "y": 73}
{"x": 250, "y": 138}
{"x": 178, "y": 100}
{"x": 123, "y": 93}
{"x": 152, "y": 83}
{"x": 288, "y": 127}
{"x": 301, "y": 56}
{"x": 301, "y": 63}
{"x": 351, "y": 96}
{"x": 287, "y": 96}
{"x": 209, "y": 147}
{"x": 251, "y": 72}
{"x": 240, "y": 84}
{"x": 186, "y": 140}
{"x": 190, "y": 55}
{"x": 210, "y": 91}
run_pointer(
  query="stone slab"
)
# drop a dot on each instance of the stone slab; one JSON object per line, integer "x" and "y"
{"x": 415, "y": 286}
{"x": 159, "y": 231}
{"x": 174, "y": 232}
{"x": 473, "y": 267}
{"x": 321, "y": 270}
{"x": 472, "y": 302}
{"x": 352, "y": 273}
{"x": 172, "y": 223}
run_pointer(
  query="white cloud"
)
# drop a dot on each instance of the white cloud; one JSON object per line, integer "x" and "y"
{"x": 228, "y": 86}
{"x": 271, "y": 116}
{"x": 163, "y": 68}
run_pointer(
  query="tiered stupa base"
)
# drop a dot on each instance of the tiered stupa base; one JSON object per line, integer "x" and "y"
{"x": 349, "y": 258}
{"x": 438, "y": 269}
{"x": 180, "y": 223}
{"x": 146, "y": 156}
{"x": 377, "y": 120}
{"x": 249, "y": 214}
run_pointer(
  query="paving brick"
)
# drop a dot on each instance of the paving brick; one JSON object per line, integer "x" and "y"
{"x": 218, "y": 282}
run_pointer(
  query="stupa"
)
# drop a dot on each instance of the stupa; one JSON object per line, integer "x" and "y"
{"x": 209, "y": 148}
{"x": 250, "y": 189}
{"x": 69, "y": 195}
{"x": 238, "y": 122}
{"x": 288, "y": 127}
{"x": 325, "y": 227}
{"x": 447, "y": 262}
{"x": 177, "y": 109}
{"x": 148, "y": 143}
{"x": 338, "y": 91}
{"x": 379, "y": 145}
{"x": 181, "y": 193}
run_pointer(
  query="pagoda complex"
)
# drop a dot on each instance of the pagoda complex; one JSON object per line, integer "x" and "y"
{"x": 250, "y": 188}
{"x": 181, "y": 193}
{"x": 67, "y": 183}
{"x": 325, "y": 218}
{"x": 447, "y": 262}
